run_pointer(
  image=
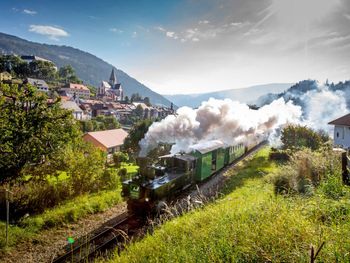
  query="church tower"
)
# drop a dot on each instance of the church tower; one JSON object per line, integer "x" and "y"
{"x": 113, "y": 79}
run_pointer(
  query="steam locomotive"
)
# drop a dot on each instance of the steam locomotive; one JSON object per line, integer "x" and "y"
{"x": 160, "y": 182}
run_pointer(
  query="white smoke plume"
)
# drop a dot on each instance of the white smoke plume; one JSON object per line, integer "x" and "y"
{"x": 322, "y": 106}
{"x": 225, "y": 120}
{"x": 233, "y": 122}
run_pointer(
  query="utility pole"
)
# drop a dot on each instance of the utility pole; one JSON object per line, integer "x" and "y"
{"x": 8, "y": 195}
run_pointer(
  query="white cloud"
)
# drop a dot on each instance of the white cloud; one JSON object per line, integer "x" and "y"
{"x": 53, "y": 33}
{"x": 203, "y": 22}
{"x": 160, "y": 28}
{"x": 116, "y": 30}
{"x": 134, "y": 34}
{"x": 195, "y": 39}
{"x": 170, "y": 34}
{"x": 29, "y": 12}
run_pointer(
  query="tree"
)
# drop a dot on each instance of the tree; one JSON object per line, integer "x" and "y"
{"x": 139, "y": 112}
{"x": 68, "y": 75}
{"x": 120, "y": 157}
{"x": 31, "y": 129}
{"x": 138, "y": 131}
{"x": 147, "y": 101}
{"x": 296, "y": 137}
{"x": 42, "y": 70}
{"x": 126, "y": 99}
{"x": 135, "y": 97}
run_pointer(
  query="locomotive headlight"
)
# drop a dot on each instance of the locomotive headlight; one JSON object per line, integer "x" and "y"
{"x": 146, "y": 199}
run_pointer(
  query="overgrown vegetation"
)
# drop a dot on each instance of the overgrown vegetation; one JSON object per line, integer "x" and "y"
{"x": 68, "y": 212}
{"x": 252, "y": 224}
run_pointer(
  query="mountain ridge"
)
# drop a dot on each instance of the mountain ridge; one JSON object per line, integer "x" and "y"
{"x": 247, "y": 95}
{"x": 90, "y": 68}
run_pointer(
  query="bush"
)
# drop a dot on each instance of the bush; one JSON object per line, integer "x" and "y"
{"x": 120, "y": 157}
{"x": 122, "y": 173}
{"x": 110, "y": 179}
{"x": 279, "y": 155}
{"x": 305, "y": 171}
{"x": 295, "y": 137}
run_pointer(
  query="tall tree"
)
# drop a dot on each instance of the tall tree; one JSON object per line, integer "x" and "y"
{"x": 67, "y": 74}
{"x": 131, "y": 143}
{"x": 31, "y": 129}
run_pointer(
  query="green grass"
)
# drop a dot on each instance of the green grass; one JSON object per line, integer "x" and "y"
{"x": 251, "y": 224}
{"x": 131, "y": 168}
{"x": 68, "y": 212}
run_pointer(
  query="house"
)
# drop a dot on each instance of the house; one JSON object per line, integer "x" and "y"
{"x": 73, "y": 106}
{"x": 76, "y": 90}
{"x": 342, "y": 131}
{"x": 5, "y": 76}
{"x": 40, "y": 84}
{"x": 109, "y": 141}
{"x": 31, "y": 58}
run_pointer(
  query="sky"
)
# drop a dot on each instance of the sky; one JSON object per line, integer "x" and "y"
{"x": 194, "y": 46}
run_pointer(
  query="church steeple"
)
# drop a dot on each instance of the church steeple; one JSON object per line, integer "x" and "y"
{"x": 113, "y": 78}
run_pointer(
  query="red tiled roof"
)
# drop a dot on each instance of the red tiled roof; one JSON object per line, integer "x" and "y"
{"x": 345, "y": 120}
{"x": 110, "y": 138}
{"x": 78, "y": 86}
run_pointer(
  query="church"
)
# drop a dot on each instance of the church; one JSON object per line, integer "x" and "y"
{"x": 111, "y": 90}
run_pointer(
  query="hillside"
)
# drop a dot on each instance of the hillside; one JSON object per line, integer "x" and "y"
{"x": 88, "y": 67}
{"x": 302, "y": 89}
{"x": 248, "y": 95}
{"x": 252, "y": 224}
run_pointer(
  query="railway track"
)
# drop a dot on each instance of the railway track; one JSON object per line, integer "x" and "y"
{"x": 117, "y": 234}
{"x": 126, "y": 225}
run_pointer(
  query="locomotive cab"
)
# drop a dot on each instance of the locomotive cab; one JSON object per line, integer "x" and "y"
{"x": 158, "y": 182}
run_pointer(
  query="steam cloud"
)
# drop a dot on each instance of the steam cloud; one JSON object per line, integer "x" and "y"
{"x": 233, "y": 122}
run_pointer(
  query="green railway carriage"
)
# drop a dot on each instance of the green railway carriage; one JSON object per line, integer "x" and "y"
{"x": 210, "y": 158}
{"x": 174, "y": 173}
{"x": 233, "y": 153}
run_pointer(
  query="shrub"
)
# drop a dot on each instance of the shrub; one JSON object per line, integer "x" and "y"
{"x": 110, "y": 179}
{"x": 295, "y": 137}
{"x": 279, "y": 155}
{"x": 122, "y": 173}
{"x": 305, "y": 171}
{"x": 120, "y": 157}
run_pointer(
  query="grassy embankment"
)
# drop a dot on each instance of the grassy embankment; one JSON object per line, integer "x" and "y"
{"x": 251, "y": 224}
{"x": 68, "y": 212}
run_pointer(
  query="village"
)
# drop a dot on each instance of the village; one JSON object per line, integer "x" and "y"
{"x": 107, "y": 101}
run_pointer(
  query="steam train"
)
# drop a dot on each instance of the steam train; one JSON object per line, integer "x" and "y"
{"x": 160, "y": 182}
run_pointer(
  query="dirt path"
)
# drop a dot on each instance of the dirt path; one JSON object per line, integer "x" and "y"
{"x": 50, "y": 242}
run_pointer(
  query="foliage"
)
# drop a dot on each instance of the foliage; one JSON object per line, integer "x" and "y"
{"x": 21, "y": 69}
{"x": 31, "y": 129}
{"x": 305, "y": 171}
{"x": 295, "y": 137}
{"x": 99, "y": 123}
{"x": 67, "y": 74}
{"x": 279, "y": 155}
{"x": 119, "y": 157}
{"x": 138, "y": 131}
{"x": 250, "y": 224}
{"x": 68, "y": 212}
{"x": 147, "y": 101}
{"x": 135, "y": 97}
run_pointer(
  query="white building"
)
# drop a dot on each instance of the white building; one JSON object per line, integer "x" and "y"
{"x": 39, "y": 83}
{"x": 77, "y": 90}
{"x": 342, "y": 131}
{"x": 72, "y": 106}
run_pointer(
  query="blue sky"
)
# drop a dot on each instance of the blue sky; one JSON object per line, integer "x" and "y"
{"x": 186, "y": 46}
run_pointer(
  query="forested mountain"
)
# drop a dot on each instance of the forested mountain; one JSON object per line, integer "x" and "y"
{"x": 91, "y": 69}
{"x": 248, "y": 95}
{"x": 299, "y": 92}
